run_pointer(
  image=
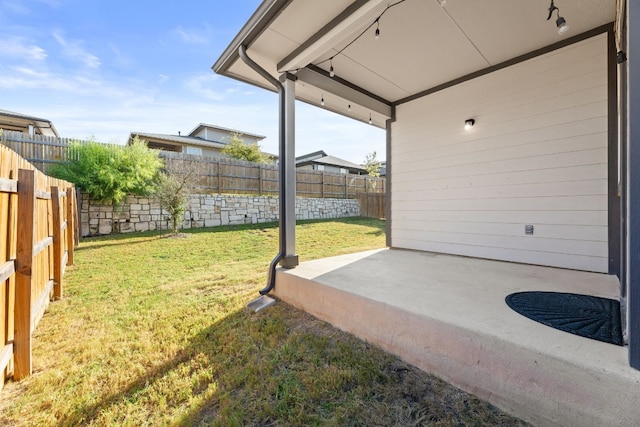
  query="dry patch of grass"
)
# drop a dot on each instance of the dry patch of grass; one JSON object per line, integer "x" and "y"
{"x": 153, "y": 331}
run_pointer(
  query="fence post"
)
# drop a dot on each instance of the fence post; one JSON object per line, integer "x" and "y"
{"x": 77, "y": 215}
{"x": 24, "y": 273}
{"x": 260, "y": 179}
{"x": 71, "y": 224}
{"x": 322, "y": 184}
{"x": 57, "y": 243}
{"x": 218, "y": 175}
{"x": 346, "y": 187}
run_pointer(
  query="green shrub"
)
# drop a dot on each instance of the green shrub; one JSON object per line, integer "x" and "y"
{"x": 109, "y": 172}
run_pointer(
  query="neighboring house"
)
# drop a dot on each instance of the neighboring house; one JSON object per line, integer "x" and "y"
{"x": 204, "y": 139}
{"x": 27, "y": 124}
{"x": 547, "y": 174}
{"x": 321, "y": 161}
{"x": 383, "y": 169}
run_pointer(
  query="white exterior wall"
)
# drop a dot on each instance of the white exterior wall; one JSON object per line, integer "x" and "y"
{"x": 536, "y": 155}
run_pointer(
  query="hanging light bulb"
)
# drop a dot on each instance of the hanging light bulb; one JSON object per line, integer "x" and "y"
{"x": 377, "y": 28}
{"x": 370, "y": 121}
{"x": 468, "y": 124}
{"x": 561, "y": 23}
{"x": 331, "y": 72}
{"x": 322, "y": 100}
{"x": 349, "y": 107}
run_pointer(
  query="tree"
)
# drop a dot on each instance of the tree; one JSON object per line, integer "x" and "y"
{"x": 108, "y": 173}
{"x": 372, "y": 164}
{"x": 176, "y": 185}
{"x": 237, "y": 149}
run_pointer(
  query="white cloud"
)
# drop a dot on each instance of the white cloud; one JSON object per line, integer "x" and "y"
{"x": 17, "y": 47}
{"x": 203, "y": 84}
{"x": 74, "y": 50}
{"x": 118, "y": 58}
{"x": 23, "y": 78}
{"x": 193, "y": 36}
{"x": 13, "y": 6}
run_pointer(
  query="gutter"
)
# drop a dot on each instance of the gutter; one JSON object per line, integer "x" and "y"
{"x": 266, "y": 13}
{"x": 271, "y": 280}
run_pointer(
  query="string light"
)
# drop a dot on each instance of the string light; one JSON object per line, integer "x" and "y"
{"x": 376, "y": 22}
{"x": 561, "y": 23}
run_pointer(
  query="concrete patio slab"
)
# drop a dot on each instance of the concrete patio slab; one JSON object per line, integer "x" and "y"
{"x": 446, "y": 315}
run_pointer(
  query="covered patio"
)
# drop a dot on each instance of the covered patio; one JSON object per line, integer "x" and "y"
{"x": 446, "y": 314}
{"x": 512, "y": 165}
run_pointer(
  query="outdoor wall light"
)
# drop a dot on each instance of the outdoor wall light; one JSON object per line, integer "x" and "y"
{"x": 561, "y": 23}
{"x": 468, "y": 124}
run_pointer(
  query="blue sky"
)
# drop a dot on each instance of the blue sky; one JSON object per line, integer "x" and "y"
{"x": 106, "y": 68}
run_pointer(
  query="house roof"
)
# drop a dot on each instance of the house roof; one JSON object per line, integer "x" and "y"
{"x": 440, "y": 46}
{"x": 44, "y": 127}
{"x": 182, "y": 140}
{"x": 311, "y": 156}
{"x": 321, "y": 158}
{"x": 205, "y": 125}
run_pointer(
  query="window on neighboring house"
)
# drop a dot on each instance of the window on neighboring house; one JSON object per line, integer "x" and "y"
{"x": 342, "y": 170}
{"x": 320, "y": 167}
{"x": 194, "y": 150}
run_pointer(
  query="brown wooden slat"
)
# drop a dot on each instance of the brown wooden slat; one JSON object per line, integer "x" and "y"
{"x": 40, "y": 305}
{"x": 24, "y": 278}
{"x": 58, "y": 236}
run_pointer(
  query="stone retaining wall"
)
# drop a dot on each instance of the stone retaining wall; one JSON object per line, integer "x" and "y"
{"x": 143, "y": 214}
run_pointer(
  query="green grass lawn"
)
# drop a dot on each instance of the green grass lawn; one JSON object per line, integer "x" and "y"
{"x": 154, "y": 331}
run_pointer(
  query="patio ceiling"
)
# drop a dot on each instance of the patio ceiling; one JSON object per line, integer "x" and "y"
{"x": 422, "y": 45}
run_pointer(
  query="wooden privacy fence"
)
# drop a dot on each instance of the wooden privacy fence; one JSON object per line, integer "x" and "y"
{"x": 372, "y": 205}
{"x": 228, "y": 176}
{"x": 38, "y": 229}
{"x": 217, "y": 175}
{"x": 41, "y": 151}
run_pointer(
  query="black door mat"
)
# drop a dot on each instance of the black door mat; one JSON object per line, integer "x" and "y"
{"x": 585, "y": 315}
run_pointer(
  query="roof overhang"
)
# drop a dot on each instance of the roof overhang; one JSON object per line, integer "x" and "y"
{"x": 21, "y": 122}
{"x": 422, "y": 45}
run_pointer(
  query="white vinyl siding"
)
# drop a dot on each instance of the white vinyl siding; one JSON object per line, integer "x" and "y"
{"x": 536, "y": 155}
